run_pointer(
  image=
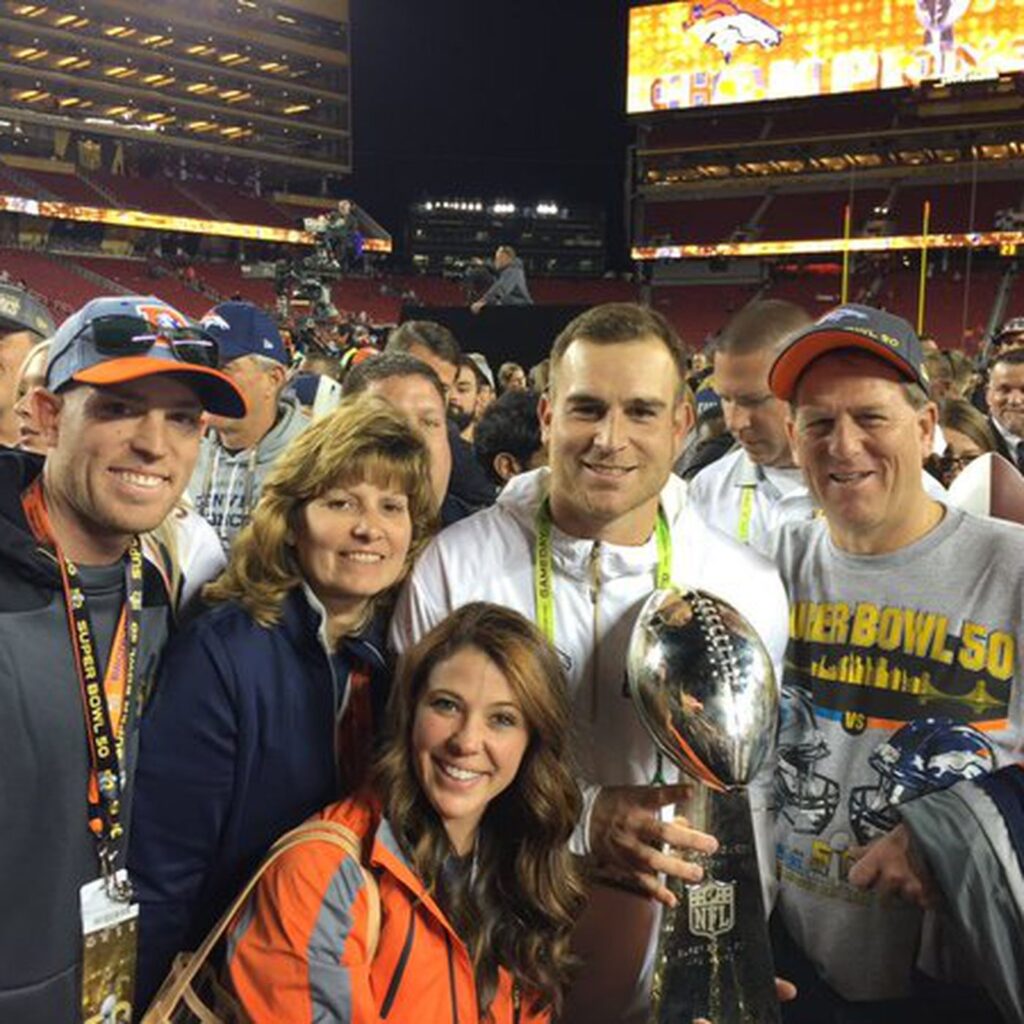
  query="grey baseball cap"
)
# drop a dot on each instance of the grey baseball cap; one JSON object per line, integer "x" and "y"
{"x": 480, "y": 360}
{"x": 20, "y": 311}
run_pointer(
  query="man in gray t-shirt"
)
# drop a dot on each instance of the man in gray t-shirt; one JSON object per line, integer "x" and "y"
{"x": 901, "y": 679}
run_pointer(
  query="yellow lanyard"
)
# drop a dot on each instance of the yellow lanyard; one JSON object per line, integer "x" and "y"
{"x": 746, "y": 513}
{"x": 543, "y": 570}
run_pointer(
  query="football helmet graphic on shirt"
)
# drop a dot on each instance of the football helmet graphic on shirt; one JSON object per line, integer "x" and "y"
{"x": 803, "y": 796}
{"x": 919, "y": 757}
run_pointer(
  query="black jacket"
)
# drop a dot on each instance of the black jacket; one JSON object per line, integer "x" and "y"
{"x": 1001, "y": 446}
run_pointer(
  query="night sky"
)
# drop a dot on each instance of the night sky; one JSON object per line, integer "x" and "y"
{"x": 523, "y": 100}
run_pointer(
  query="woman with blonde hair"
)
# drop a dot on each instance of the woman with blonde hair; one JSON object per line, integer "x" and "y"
{"x": 268, "y": 702}
{"x": 464, "y": 834}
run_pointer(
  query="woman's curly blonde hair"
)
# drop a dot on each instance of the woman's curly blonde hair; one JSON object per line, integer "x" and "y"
{"x": 364, "y": 439}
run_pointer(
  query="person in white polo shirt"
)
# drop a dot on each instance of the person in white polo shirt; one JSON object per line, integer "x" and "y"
{"x": 747, "y": 491}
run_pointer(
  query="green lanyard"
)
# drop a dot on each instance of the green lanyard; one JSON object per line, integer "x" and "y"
{"x": 543, "y": 571}
{"x": 544, "y": 578}
{"x": 746, "y": 512}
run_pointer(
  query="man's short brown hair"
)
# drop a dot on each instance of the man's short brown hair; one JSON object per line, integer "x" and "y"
{"x": 433, "y": 336}
{"x": 760, "y": 325}
{"x": 615, "y": 323}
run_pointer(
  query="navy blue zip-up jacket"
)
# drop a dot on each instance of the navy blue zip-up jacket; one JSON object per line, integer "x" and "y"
{"x": 237, "y": 747}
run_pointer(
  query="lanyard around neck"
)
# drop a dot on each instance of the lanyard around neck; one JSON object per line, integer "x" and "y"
{"x": 746, "y": 512}
{"x": 543, "y": 568}
{"x": 106, "y": 703}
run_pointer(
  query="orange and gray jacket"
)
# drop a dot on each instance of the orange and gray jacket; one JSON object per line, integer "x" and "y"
{"x": 298, "y": 951}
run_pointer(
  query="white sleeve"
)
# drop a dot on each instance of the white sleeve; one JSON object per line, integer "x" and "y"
{"x": 201, "y": 556}
{"x": 423, "y": 602}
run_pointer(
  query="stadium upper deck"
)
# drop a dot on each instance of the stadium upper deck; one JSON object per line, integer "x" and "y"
{"x": 264, "y": 83}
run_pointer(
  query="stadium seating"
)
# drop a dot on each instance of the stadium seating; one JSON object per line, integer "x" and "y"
{"x": 699, "y": 220}
{"x": 1015, "y": 299}
{"x": 230, "y": 202}
{"x": 225, "y": 280}
{"x": 154, "y": 195}
{"x": 698, "y": 312}
{"x": 141, "y": 278}
{"x": 574, "y": 291}
{"x": 69, "y": 188}
{"x": 951, "y": 205}
{"x": 816, "y": 214}
{"x": 944, "y": 303}
{"x": 59, "y": 285}
{"x": 816, "y": 293}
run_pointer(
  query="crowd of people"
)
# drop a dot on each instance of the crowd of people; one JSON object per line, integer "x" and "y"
{"x": 391, "y": 592}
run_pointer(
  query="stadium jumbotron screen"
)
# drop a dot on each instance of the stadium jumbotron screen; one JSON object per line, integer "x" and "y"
{"x": 706, "y": 52}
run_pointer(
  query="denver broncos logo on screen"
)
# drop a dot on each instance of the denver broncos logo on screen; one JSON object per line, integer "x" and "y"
{"x": 726, "y": 26}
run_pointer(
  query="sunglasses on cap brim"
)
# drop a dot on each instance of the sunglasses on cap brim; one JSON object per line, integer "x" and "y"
{"x": 124, "y": 335}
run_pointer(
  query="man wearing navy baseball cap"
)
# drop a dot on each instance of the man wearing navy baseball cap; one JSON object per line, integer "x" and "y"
{"x": 84, "y": 614}
{"x": 237, "y": 453}
{"x": 902, "y": 679}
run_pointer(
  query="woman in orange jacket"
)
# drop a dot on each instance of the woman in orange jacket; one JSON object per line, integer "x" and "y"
{"x": 464, "y": 833}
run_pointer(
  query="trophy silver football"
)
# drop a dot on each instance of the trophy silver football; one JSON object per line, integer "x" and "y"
{"x": 703, "y": 684}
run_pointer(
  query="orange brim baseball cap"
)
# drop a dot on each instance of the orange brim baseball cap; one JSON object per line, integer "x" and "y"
{"x": 216, "y": 391}
{"x": 124, "y": 338}
{"x": 852, "y": 326}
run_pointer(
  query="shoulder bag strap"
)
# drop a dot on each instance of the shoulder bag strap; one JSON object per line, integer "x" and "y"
{"x": 325, "y": 831}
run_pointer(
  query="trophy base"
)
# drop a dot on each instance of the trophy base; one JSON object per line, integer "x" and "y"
{"x": 714, "y": 961}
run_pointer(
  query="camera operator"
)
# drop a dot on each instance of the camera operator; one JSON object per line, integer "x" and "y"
{"x": 342, "y": 235}
{"x": 510, "y": 287}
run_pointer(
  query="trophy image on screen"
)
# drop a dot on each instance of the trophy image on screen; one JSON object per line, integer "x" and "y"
{"x": 703, "y": 685}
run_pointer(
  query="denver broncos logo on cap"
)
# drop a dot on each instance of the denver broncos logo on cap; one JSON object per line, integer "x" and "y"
{"x": 842, "y": 313}
{"x": 162, "y": 318}
{"x": 214, "y": 319}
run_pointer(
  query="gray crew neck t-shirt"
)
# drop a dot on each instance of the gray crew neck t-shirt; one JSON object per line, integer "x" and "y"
{"x": 902, "y": 676}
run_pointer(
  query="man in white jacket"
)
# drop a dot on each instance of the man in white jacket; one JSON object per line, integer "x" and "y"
{"x": 578, "y": 547}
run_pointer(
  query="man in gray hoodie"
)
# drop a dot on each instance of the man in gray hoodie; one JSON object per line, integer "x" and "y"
{"x": 236, "y": 454}
{"x": 509, "y": 289}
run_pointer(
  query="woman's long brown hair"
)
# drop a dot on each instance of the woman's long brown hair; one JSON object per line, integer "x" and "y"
{"x": 525, "y": 894}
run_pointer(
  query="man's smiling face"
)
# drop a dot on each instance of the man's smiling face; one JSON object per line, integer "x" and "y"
{"x": 613, "y": 423}
{"x": 861, "y": 445}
